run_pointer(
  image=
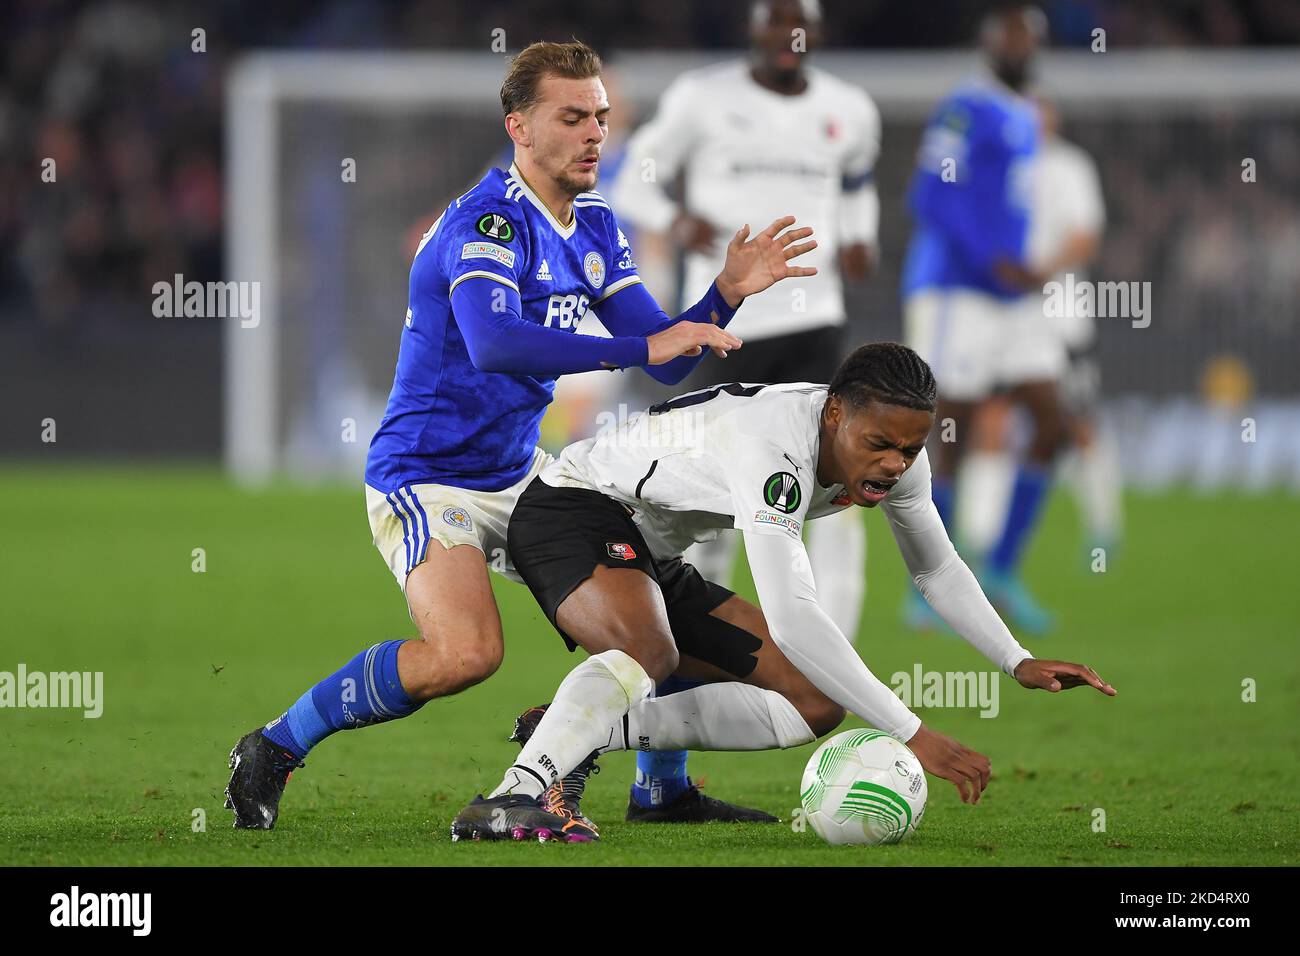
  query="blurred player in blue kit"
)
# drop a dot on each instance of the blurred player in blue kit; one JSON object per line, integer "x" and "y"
{"x": 1066, "y": 224}
{"x": 972, "y": 303}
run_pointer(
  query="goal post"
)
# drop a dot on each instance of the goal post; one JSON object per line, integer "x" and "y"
{"x": 305, "y": 385}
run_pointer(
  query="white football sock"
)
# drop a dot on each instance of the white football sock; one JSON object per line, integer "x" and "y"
{"x": 728, "y": 716}
{"x": 837, "y": 550}
{"x": 595, "y": 695}
{"x": 983, "y": 494}
{"x": 1098, "y": 488}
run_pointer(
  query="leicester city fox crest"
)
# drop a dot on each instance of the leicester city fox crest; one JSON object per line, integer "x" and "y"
{"x": 781, "y": 491}
{"x": 594, "y": 267}
{"x": 457, "y": 518}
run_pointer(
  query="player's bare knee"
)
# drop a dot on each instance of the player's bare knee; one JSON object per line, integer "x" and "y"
{"x": 820, "y": 713}
{"x": 657, "y": 655}
{"x": 661, "y": 660}
{"x": 476, "y": 661}
{"x": 449, "y": 663}
{"x": 824, "y": 718}
{"x": 651, "y": 647}
{"x": 669, "y": 662}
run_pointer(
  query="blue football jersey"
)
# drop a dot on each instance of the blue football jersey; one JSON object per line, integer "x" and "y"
{"x": 446, "y": 421}
{"x": 971, "y": 191}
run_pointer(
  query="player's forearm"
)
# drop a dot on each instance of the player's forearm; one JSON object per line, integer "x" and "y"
{"x": 940, "y": 574}
{"x": 499, "y": 340}
{"x": 712, "y": 305}
{"x": 812, "y": 643}
{"x": 651, "y": 159}
{"x": 859, "y": 216}
{"x": 1076, "y": 252}
{"x": 728, "y": 293}
{"x": 633, "y": 311}
{"x": 517, "y": 348}
{"x": 956, "y": 596}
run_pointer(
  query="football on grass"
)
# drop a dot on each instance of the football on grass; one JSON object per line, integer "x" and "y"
{"x": 863, "y": 786}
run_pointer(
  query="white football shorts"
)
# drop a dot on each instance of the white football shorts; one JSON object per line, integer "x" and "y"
{"x": 976, "y": 343}
{"x": 404, "y": 522}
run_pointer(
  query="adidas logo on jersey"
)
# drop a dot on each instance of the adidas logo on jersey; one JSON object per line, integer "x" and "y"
{"x": 544, "y": 273}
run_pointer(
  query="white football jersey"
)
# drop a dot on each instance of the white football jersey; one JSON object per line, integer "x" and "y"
{"x": 750, "y": 156}
{"x": 745, "y": 457}
{"x": 1067, "y": 199}
{"x": 732, "y": 456}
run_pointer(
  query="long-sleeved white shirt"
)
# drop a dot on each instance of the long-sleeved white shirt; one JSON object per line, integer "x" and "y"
{"x": 751, "y": 155}
{"x": 745, "y": 457}
{"x": 1067, "y": 200}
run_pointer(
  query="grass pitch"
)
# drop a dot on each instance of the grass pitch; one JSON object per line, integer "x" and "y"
{"x": 96, "y": 572}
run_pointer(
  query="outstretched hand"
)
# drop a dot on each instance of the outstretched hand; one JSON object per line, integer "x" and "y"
{"x": 968, "y": 770}
{"x": 689, "y": 338}
{"x": 1055, "y": 676}
{"x": 755, "y": 264}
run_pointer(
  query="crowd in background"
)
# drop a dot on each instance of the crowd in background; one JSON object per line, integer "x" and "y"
{"x": 114, "y": 94}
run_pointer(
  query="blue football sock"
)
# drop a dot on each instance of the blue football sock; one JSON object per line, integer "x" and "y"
{"x": 661, "y": 775}
{"x": 364, "y": 691}
{"x": 1027, "y": 497}
{"x": 941, "y": 493}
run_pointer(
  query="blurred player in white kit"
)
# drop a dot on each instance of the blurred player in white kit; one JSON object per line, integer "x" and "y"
{"x": 1065, "y": 230}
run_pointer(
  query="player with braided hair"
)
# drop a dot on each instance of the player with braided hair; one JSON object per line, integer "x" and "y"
{"x": 888, "y": 373}
{"x": 598, "y": 538}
